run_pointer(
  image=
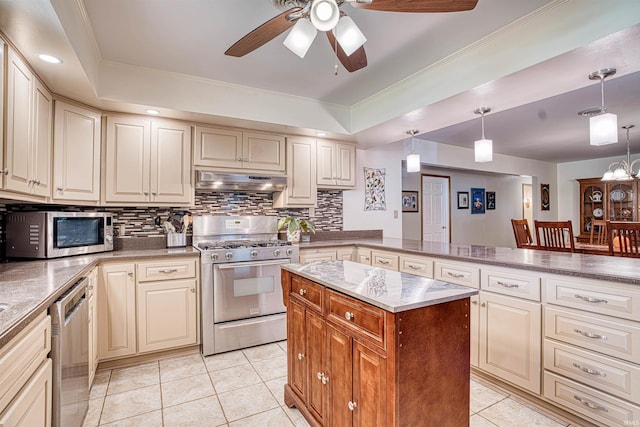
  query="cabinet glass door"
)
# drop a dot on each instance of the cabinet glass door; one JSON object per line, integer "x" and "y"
{"x": 621, "y": 202}
{"x": 593, "y": 200}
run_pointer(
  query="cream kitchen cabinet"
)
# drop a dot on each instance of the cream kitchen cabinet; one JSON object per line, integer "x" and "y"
{"x": 227, "y": 149}
{"x": 116, "y": 311}
{"x": 92, "y": 290}
{"x": 29, "y": 115}
{"x": 3, "y": 170}
{"x": 345, "y": 253}
{"x": 301, "y": 188}
{"x": 76, "y": 153}
{"x": 420, "y": 266}
{"x": 148, "y": 162}
{"x": 324, "y": 254}
{"x": 336, "y": 165}
{"x": 363, "y": 255}
{"x": 385, "y": 259}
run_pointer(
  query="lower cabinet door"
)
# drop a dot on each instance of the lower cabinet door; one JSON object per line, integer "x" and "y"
{"x": 167, "y": 314}
{"x": 340, "y": 377}
{"x": 297, "y": 341}
{"x": 369, "y": 387}
{"x": 316, "y": 397}
{"x": 117, "y": 311}
{"x": 474, "y": 328}
{"x": 32, "y": 406}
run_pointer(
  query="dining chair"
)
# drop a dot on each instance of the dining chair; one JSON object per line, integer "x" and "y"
{"x": 555, "y": 235}
{"x": 624, "y": 238}
{"x": 598, "y": 237}
{"x": 522, "y": 233}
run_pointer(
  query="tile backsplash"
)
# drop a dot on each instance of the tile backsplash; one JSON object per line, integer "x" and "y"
{"x": 139, "y": 222}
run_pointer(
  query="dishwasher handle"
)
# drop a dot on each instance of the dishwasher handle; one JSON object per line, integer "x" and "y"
{"x": 72, "y": 300}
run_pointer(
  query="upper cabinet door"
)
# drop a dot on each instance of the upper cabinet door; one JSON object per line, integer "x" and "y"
{"x": 2, "y": 88}
{"x": 301, "y": 188}
{"x": 171, "y": 162}
{"x": 218, "y": 148}
{"x": 326, "y": 170}
{"x": 42, "y": 140}
{"x": 76, "y": 153}
{"x": 336, "y": 165}
{"x": 263, "y": 152}
{"x": 346, "y": 166}
{"x": 128, "y": 159}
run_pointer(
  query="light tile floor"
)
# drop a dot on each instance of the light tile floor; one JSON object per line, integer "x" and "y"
{"x": 242, "y": 388}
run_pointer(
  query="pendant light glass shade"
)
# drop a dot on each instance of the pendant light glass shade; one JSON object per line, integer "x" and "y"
{"x": 348, "y": 35}
{"x": 483, "y": 150}
{"x": 413, "y": 163}
{"x": 603, "y": 129}
{"x": 300, "y": 37}
{"x": 622, "y": 170}
{"x": 324, "y": 14}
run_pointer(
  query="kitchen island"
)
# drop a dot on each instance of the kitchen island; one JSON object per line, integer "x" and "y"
{"x": 370, "y": 346}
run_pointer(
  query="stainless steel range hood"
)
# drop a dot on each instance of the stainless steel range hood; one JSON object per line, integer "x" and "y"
{"x": 215, "y": 181}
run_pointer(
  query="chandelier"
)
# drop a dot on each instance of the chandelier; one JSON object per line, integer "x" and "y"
{"x": 622, "y": 170}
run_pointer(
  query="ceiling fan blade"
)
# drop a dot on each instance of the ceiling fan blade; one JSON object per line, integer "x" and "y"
{"x": 263, "y": 34}
{"x": 356, "y": 61}
{"x": 418, "y": 6}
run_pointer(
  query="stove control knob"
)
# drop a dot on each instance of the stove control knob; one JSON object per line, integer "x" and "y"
{"x": 254, "y": 254}
{"x": 289, "y": 252}
{"x": 228, "y": 255}
{"x": 276, "y": 252}
{"x": 214, "y": 257}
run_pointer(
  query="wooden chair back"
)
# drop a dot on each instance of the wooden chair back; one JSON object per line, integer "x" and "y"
{"x": 522, "y": 233}
{"x": 555, "y": 235}
{"x": 624, "y": 238}
{"x": 598, "y": 237}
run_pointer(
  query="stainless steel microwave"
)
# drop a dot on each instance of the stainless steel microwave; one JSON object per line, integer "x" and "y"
{"x": 58, "y": 234}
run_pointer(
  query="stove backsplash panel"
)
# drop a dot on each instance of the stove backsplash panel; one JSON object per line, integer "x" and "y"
{"x": 139, "y": 222}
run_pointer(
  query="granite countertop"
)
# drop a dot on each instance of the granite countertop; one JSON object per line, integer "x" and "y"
{"x": 601, "y": 267}
{"x": 390, "y": 290}
{"x": 28, "y": 287}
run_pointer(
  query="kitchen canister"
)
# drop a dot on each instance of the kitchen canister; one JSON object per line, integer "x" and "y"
{"x": 176, "y": 240}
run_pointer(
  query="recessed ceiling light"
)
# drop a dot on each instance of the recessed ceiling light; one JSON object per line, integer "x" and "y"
{"x": 152, "y": 111}
{"x": 321, "y": 134}
{"x": 50, "y": 58}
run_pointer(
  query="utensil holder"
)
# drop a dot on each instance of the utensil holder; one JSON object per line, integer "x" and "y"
{"x": 176, "y": 240}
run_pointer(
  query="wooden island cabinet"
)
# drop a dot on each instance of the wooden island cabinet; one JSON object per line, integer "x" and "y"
{"x": 374, "y": 347}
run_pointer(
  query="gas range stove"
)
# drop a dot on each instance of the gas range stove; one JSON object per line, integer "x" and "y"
{"x": 247, "y": 250}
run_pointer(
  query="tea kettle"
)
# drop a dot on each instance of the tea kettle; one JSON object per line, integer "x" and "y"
{"x": 596, "y": 196}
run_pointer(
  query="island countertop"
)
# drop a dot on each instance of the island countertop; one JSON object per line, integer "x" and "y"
{"x": 389, "y": 290}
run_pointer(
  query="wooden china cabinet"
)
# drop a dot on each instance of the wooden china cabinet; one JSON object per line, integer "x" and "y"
{"x": 608, "y": 200}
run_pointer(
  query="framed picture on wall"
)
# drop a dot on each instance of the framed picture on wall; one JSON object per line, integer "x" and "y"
{"x": 477, "y": 201}
{"x": 463, "y": 200}
{"x": 409, "y": 201}
{"x": 491, "y": 200}
{"x": 544, "y": 197}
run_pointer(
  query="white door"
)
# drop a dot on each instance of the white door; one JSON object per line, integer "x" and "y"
{"x": 435, "y": 208}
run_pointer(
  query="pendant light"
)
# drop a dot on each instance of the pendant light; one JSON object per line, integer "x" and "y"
{"x": 622, "y": 170}
{"x": 413, "y": 160}
{"x": 483, "y": 148}
{"x": 603, "y": 126}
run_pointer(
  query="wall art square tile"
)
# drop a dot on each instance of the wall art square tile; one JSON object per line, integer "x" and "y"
{"x": 374, "y": 199}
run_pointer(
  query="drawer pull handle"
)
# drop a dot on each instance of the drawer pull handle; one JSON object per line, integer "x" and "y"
{"x": 383, "y": 262}
{"x": 300, "y": 356}
{"x": 590, "y": 404}
{"x": 303, "y": 292}
{"x": 414, "y": 267}
{"x": 590, "y": 335}
{"x": 352, "y": 405}
{"x": 589, "y": 370}
{"x": 455, "y": 275}
{"x": 591, "y": 299}
{"x": 169, "y": 271}
{"x": 348, "y": 315}
{"x": 508, "y": 285}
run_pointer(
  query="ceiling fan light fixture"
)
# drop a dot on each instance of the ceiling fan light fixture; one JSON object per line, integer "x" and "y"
{"x": 348, "y": 35}
{"x": 300, "y": 37}
{"x": 324, "y": 14}
{"x": 603, "y": 129}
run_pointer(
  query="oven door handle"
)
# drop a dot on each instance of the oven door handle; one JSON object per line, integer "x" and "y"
{"x": 252, "y": 264}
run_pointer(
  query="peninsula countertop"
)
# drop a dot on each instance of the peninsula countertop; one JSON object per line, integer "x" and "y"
{"x": 600, "y": 267}
{"x": 389, "y": 290}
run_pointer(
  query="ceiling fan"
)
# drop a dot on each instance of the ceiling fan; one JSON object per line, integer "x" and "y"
{"x": 309, "y": 16}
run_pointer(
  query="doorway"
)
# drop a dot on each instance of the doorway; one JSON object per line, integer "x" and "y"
{"x": 527, "y": 204}
{"x": 435, "y": 209}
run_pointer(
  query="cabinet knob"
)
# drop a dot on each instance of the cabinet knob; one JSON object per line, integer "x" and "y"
{"x": 146, "y": 193}
{"x": 239, "y": 159}
{"x": 300, "y": 356}
{"x": 193, "y": 291}
{"x": 130, "y": 274}
{"x": 474, "y": 302}
{"x": 352, "y": 405}
{"x": 484, "y": 304}
{"x": 60, "y": 189}
{"x": 246, "y": 159}
{"x": 325, "y": 379}
{"x": 303, "y": 292}
{"x": 348, "y": 315}
{"x": 154, "y": 194}
{"x": 319, "y": 375}
{"x": 4, "y": 171}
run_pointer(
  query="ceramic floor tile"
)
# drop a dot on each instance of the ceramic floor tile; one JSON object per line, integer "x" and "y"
{"x": 131, "y": 403}
{"x": 149, "y": 419}
{"x": 92, "y": 419}
{"x": 130, "y": 378}
{"x": 225, "y": 360}
{"x": 181, "y": 367}
{"x": 513, "y": 414}
{"x": 273, "y": 418}
{"x": 247, "y": 401}
{"x": 277, "y": 388}
{"x": 283, "y": 345}
{"x": 270, "y": 369}
{"x": 483, "y": 397}
{"x": 100, "y": 384}
{"x": 477, "y": 421}
{"x": 201, "y": 412}
{"x": 234, "y": 378}
{"x": 186, "y": 389}
{"x": 262, "y": 352}
{"x": 295, "y": 416}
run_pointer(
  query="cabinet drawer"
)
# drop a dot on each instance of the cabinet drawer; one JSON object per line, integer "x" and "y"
{"x": 417, "y": 265}
{"x": 363, "y": 319}
{"x": 460, "y": 274}
{"x": 22, "y": 356}
{"x": 588, "y": 402}
{"x": 309, "y": 292}
{"x": 309, "y": 255}
{"x": 166, "y": 270}
{"x": 363, "y": 256}
{"x": 618, "y": 338}
{"x": 603, "y": 373}
{"x": 510, "y": 283}
{"x": 597, "y": 298}
{"x": 384, "y": 260}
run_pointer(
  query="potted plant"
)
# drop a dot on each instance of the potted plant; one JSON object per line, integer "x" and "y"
{"x": 294, "y": 227}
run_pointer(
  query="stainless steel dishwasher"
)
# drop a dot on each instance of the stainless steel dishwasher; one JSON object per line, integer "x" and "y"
{"x": 70, "y": 354}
